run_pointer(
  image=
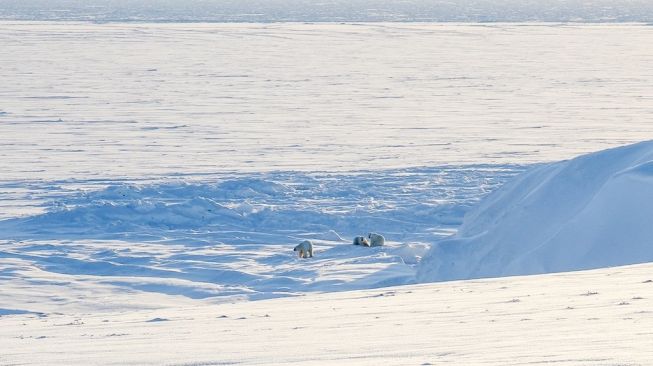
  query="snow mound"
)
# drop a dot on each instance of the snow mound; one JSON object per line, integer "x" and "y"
{"x": 590, "y": 212}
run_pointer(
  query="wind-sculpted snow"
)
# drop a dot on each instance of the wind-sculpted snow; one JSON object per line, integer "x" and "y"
{"x": 232, "y": 236}
{"x": 590, "y": 212}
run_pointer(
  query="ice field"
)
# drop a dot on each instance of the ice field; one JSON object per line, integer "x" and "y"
{"x": 150, "y": 100}
{"x": 154, "y": 178}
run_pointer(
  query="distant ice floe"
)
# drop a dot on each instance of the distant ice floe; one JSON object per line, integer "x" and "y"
{"x": 333, "y": 11}
{"x": 590, "y": 212}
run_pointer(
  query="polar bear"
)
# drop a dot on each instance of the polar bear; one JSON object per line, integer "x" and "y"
{"x": 376, "y": 240}
{"x": 361, "y": 240}
{"x": 304, "y": 249}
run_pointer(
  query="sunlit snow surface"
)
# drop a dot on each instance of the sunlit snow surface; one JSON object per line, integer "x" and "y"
{"x": 135, "y": 100}
{"x": 595, "y": 318}
{"x": 188, "y": 159}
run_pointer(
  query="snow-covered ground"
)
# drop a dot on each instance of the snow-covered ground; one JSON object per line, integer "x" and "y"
{"x": 597, "y": 318}
{"x": 190, "y": 158}
{"x": 155, "y": 177}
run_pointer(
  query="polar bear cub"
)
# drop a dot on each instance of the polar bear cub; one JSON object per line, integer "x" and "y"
{"x": 304, "y": 249}
{"x": 376, "y": 240}
{"x": 361, "y": 240}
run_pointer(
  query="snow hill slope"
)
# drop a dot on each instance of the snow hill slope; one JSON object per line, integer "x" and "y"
{"x": 599, "y": 318}
{"x": 590, "y": 212}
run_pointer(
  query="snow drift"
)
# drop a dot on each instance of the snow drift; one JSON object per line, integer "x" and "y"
{"x": 590, "y": 212}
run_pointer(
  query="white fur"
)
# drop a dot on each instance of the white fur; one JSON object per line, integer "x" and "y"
{"x": 361, "y": 240}
{"x": 376, "y": 240}
{"x": 304, "y": 249}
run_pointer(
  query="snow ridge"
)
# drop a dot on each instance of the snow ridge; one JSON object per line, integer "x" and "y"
{"x": 589, "y": 212}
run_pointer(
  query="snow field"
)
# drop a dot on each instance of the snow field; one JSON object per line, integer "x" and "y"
{"x": 599, "y": 318}
{"x": 135, "y": 100}
{"x": 157, "y": 176}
